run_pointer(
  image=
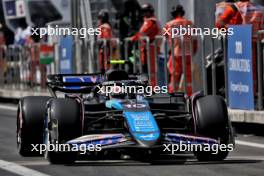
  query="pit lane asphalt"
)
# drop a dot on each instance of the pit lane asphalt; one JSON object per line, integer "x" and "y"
{"x": 245, "y": 160}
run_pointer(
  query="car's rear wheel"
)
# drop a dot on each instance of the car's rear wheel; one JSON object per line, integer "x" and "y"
{"x": 212, "y": 121}
{"x": 64, "y": 124}
{"x": 30, "y": 117}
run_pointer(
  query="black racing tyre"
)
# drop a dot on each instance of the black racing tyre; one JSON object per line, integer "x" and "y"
{"x": 30, "y": 120}
{"x": 67, "y": 115}
{"x": 212, "y": 121}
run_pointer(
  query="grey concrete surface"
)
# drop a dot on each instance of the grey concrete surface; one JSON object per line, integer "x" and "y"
{"x": 243, "y": 161}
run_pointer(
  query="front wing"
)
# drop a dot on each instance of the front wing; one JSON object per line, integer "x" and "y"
{"x": 126, "y": 141}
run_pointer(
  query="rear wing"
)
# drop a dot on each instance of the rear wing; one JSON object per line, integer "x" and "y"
{"x": 74, "y": 83}
{"x": 84, "y": 83}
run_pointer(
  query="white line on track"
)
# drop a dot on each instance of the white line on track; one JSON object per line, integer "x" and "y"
{"x": 19, "y": 170}
{"x": 249, "y": 144}
{"x": 32, "y": 163}
{"x": 246, "y": 158}
{"x": 8, "y": 107}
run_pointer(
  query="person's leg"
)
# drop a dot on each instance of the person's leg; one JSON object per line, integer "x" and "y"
{"x": 189, "y": 75}
{"x": 175, "y": 74}
{"x": 144, "y": 60}
{"x": 101, "y": 61}
{"x": 169, "y": 66}
{"x": 153, "y": 66}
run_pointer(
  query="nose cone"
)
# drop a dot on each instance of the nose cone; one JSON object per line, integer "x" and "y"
{"x": 143, "y": 127}
{"x": 147, "y": 139}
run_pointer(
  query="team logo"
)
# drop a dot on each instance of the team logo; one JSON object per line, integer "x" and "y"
{"x": 135, "y": 106}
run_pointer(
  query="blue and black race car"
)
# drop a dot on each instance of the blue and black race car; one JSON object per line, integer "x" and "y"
{"x": 120, "y": 123}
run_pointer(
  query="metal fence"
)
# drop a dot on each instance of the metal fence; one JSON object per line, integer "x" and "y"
{"x": 20, "y": 66}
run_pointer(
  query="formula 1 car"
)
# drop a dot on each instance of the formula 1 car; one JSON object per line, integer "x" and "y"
{"x": 129, "y": 123}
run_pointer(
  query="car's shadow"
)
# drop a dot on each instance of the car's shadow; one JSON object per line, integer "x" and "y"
{"x": 163, "y": 162}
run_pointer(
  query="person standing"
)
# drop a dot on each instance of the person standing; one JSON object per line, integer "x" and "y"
{"x": 176, "y": 77}
{"x": 151, "y": 29}
{"x": 106, "y": 33}
{"x": 221, "y": 7}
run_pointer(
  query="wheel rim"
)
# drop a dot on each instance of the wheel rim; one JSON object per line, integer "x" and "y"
{"x": 19, "y": 131}
{"x": 19, "y": 139}
{"x": 47, "y": 142}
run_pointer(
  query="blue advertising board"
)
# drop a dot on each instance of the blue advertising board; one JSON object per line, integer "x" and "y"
{"x": 10, "y": 8}
{"x": 66, "y": 50}
{"x": 240, "y": 74}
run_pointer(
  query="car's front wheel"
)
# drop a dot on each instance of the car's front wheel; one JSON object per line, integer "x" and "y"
{"x": 30, "y": 117}
{"x": 63, "y": 124}
{"x": 212, "y": 121}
